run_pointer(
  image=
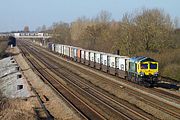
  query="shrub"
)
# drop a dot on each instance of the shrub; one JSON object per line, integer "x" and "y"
{"x": 172, "y": 71}
{"x": 3, "y": 46}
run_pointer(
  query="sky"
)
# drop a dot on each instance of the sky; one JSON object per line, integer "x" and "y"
{"x": 15, "y": 14}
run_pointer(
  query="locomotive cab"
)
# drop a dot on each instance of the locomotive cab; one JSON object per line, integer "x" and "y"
{"x": 148, "y": 68}
{"x": 143, "y": 70}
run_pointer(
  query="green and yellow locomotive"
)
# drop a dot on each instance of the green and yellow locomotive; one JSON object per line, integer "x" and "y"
{"x": 143, "y": 70}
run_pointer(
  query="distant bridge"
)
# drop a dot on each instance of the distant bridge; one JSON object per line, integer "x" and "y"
{"x": 30, "y": 35}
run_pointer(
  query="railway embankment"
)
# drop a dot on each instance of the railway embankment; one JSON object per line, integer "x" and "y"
{"x": 15, "y": 94}
{"x": 48, "y": 100}
{"x": 13, "y": 84}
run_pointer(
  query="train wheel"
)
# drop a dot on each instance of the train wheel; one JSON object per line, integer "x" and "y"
{"x": 147, "y": 85}
{"x": 129, "y": 78}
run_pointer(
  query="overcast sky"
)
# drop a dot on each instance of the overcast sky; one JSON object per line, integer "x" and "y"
{"x": 15, "y": 14}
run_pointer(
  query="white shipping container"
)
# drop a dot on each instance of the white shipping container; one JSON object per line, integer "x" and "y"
{"x": 111, "y": 61}
{"x": 87, "y": 55}
{"x": 97, "y": 57}
{"x": 75, "y": 52}
{"x": 62, "y": 49}
{"x": 53, "y": 45}
{"x": 18, "y": 34}
{"x": 92, "y": 56}
{"x": 59, "y": 48}
{"x": 72, "y": 52}
{"x": 69, "y": 51}
{"x": 56, "y": 47}
{"x": 104, "y": 59}
{"x": 40, "y": 34}
{"x": 82, "y": 54}
{"x": 122, "y": 63}
{"x": 66, "y": 50}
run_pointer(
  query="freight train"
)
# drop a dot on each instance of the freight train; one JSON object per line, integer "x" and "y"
{"x": 140, "y": 69}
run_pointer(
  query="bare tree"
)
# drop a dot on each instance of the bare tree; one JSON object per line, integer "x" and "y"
{"x": 176, "y": 22}
{"x": 154, "y": 29}
{"x": 26, "y": 29}
{"x": 61, "y": 33}
{"x": 103, "y": 17}
{"x": 77, "y": 28}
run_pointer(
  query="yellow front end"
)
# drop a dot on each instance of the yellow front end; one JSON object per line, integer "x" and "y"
{"x": 147, "y": 68}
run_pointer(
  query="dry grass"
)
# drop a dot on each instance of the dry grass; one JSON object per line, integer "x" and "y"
{"x": 3, "y": 46}
{"x": 3, "y": 102}
{"x": 15, "y": 109}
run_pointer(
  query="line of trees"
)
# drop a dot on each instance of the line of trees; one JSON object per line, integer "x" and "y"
{"x": 144, "y": 30}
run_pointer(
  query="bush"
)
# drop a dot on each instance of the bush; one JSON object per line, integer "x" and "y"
{"x": 3, "y": 46}
{"x": 172, "y": 71}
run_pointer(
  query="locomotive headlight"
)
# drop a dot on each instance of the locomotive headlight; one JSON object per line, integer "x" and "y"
{"x": 141, "y": 74}
{"x": 156, "y": 73}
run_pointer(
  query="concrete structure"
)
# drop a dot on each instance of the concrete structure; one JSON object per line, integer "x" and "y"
{"x": 12, "y": 82}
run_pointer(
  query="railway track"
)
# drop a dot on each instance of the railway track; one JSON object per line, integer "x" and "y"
{"x": 154, "y": 102}
{"x": 167, "y": 79}
{"x": 63, "y": 92}
{"x": 159, "y": 105}
{"x": 117, "y": 109}
{"x": 167, "y": 95}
